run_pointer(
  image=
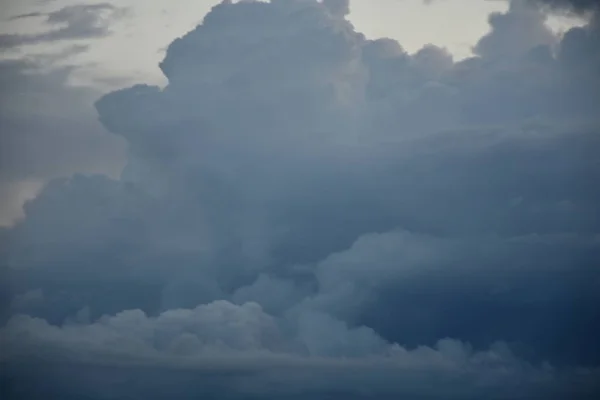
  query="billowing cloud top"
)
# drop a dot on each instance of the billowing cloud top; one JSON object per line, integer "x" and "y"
{"x": 308, "y": 214}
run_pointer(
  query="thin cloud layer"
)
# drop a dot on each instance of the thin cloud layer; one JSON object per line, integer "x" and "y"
{"x": 306, "y": 213}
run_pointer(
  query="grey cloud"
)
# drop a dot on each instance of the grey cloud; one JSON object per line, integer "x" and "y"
{"x": 515, "y": 32}
{"x": 453, "y": 367}
{"x": 80, "y": 22}
{"x": 48, "y": 127}
{"x": 430, "y": 283}
{"x": 574, "y": 5}
{"x": 32, "y": 137}
{"x": 300, "y": 194}
{"x": 338, "y": 7}
{"x": 225, "y": 348}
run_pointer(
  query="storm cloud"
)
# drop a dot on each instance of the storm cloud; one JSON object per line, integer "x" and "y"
{"x": 307, "y": 213}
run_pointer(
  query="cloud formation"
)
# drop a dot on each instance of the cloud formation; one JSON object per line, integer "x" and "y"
{"x": 225, "y": 343}
{"x": 75, "y": 22}
{"x": 306, "y": 213}
{"x": 42, "y": 138}
{"x": 573, "y": 5}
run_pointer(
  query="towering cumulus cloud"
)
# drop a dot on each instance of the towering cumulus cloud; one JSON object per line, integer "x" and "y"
{"x": 308, "y": 214}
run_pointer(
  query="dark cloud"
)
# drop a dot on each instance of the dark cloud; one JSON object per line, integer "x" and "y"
{"x": 573, "y": 5}
{"x": 338, "y": 7}
{"x": 73, "y": 23}
{"x": 306, "y": 213}
{"x": 515, "y": 32}
{"x": 447, "y": 371}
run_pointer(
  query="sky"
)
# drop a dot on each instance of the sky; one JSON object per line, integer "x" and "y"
{"x": 152, "y": 26}
{"x": 299, "y": 199}
{"x": 131, "y": 48}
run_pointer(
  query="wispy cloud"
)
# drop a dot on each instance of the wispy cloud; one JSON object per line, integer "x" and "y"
{"x": 68, "y": 23}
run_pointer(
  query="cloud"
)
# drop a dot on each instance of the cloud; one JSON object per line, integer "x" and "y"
{"x": 74, "y": 22}
{"x": 49, "y": 129}
{"x": 218, "y": 351}
{"x": 338, "y": 7}
{"x": 236, "y": 351}
{"x": 299, "y": 198}
{"x": 575, "y": 5}
{"x": 32, "y": 138}
{"x": 515, "y": 32}
{"x": 432, "y": 287}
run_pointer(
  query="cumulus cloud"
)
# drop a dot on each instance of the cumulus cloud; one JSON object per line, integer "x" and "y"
{"x": 42, "y": 138}
{"x": 306, "y": 213}
{"x": 515, "y": 32}
{"x": 238, "y": 351}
